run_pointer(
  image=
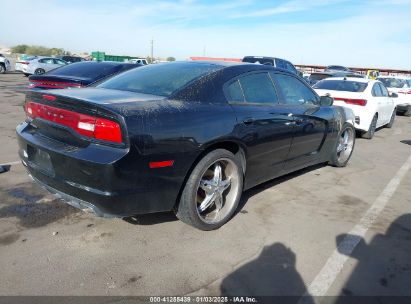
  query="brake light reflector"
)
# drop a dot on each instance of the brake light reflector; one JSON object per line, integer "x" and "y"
{"x": 353, "y": 101}
{"x": 161, "y": 164}
{"x": 49, "y": 97}
{"x": 86, "y": 125}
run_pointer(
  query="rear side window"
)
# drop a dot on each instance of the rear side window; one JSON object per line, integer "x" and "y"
{"x": 47, "y": 60}
{"x": 235, "y": 92}
{"x": 376, "y": 90}
{"x": 341, "y": 85}
{"x": 258, "y": 88}
{"x": 294, "y": 91}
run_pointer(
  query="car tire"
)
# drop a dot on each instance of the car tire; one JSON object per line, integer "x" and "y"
{"x": 2, "y": 69}
{"x": 212, "y": 191}
{"x": 371, "y": 130}
{"x": 408, "y": 111}
{"x": 39, "y": 71}
{"x": 344, "y": 146}
{"x": 392, "y": 119}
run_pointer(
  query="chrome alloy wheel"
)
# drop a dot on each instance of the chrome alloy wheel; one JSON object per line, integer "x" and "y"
{"x": 345, "y": 145}
{"x": 217, "y": 190}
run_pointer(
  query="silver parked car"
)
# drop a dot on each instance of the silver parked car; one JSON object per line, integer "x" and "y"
{"x": 42, "y": 65}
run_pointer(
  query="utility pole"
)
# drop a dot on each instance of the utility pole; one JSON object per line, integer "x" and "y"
{"x": 152, "y": 50}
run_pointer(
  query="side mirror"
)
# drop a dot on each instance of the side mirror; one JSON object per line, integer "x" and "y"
{"x": 326, "y": 101}
{"x": 394, "y": 95}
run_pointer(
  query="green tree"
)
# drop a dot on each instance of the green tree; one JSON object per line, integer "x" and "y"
{"x": 19, "y": 49}
{"x": 171, "y": 59}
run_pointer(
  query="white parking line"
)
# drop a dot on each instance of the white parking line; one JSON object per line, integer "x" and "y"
{"x": 12, "y": 163}
{"x": 326, "y": 277}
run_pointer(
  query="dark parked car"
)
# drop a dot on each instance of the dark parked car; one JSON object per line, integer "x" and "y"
{"x": 183, "y": 136}
{"x": 71, "y": 59}
{"x": 78, "y": 75}
{"x": 275, "y": 62}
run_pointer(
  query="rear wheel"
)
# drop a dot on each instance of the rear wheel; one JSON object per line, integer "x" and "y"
{"x": 408, "y": 111}
{"x": 2, "y": 68}
{"x": 39, "y": 71}
{"x": 212, "y": 192}
{"x": 344, "y": 146}
{"x": 371, "y": 130}
{"x": 391, "y": 123}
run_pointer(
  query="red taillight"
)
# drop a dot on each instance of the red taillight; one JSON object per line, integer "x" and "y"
{"x": 353, "y": 101}
{"x": 405, "y": 92}
{"x": 86, "y": 125}
{"x": 53, "y": 84}
{"x": 24, "y": 62}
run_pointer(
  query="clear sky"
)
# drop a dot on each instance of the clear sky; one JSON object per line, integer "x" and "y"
{"x": 353, "y": 33}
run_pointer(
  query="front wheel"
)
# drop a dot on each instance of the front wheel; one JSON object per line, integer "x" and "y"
{"x": 408, "y": 111}
{"x": 2, "y": 69}
{"x": 212, "y": 192}
{"x": 344, "y": 146}
{"x": 391, "y": 123}
{"x": 371, "y": 130}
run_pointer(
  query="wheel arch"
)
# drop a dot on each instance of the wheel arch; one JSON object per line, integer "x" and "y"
{"x": 233, "y": 146}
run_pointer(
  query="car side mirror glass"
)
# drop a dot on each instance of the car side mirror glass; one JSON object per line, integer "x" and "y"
{"x": 326, "y": 101}
{"x": 394, "y": 95}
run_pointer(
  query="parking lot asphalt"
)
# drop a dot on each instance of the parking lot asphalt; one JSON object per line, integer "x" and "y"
{"x": 285, "y": 234}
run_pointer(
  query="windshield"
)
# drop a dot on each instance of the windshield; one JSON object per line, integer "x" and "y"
{"x": 341, "y": 85}
{"x": 89, "y": 70}
{"x": 394, "y": 83}
{"x": 159, "y": 79}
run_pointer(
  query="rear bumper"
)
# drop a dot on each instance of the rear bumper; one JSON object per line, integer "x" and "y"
{"x": 73, "y": 201}
{"x": 109, "y": 181}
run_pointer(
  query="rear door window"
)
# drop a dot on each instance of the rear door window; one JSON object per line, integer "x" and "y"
{"x": 235, "y": 93}
{"x": 294, "y": 91}
{"x": 258, "y": 88}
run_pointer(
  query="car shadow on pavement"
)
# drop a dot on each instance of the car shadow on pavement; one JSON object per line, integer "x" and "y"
{"x": 383, "y": 265}
{"x": 158, "y": 218}
{"x": 151, "y": 219}
{"x": 274, "y": 182}
{"x": 407, "y": 142}
{"x": 271, "y": 278}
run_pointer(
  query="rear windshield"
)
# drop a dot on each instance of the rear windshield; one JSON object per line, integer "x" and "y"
{"x": 267, "y": 61}
{"x": 318, "y": 77}
{"x": 394, "y": 83}
{"x": 89, "y": 70}
{"x": 159, "y": 79}
{"x": 341, "y": 85}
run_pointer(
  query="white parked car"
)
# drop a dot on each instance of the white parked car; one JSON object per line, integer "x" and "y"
{"x": 4, "y": 64}
{"x": 39, "y": 66}
{"x": 402, "y": 87}
{"x": 370, "y": 100}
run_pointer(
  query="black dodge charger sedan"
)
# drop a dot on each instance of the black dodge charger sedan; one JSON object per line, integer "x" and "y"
{"x": 182, "y": 136}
